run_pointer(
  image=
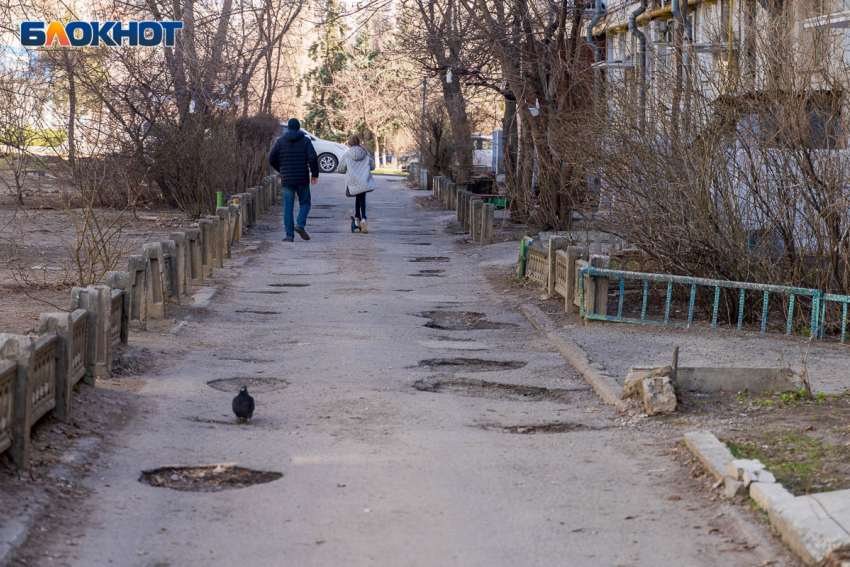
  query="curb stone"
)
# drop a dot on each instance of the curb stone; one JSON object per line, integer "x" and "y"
{"x": 809, "y": 525}
{"x": 16, "y": 531}
{"x": 204, "y": 297}
{"x": 605, "y": 386}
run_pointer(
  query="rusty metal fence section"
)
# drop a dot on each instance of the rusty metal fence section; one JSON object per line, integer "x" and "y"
{"x": 8, "y": 372}
{"x": 817, "y": 297}
{"x": 42, "y": 375}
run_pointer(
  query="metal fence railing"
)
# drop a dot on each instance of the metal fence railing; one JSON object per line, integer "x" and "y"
{"x": 816, "y": 296}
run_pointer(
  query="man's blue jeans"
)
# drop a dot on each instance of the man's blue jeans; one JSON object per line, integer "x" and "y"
{"x": 303, "y": 192}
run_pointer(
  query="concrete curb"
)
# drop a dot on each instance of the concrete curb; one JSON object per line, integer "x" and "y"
{"x": 809, "y": 525}
{"x": 16, "y": 531}
{"x": 605, "y": 386}
{"x": 204, "y": 297}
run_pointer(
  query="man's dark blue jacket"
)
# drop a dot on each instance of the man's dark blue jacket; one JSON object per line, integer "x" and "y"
{"x": 295, "y": 158}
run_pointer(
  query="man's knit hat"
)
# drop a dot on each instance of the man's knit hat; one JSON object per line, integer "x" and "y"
{"x": 293, "y": 124}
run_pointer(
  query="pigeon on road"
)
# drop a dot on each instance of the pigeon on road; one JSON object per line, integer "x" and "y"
{"x": 243, "y": 405}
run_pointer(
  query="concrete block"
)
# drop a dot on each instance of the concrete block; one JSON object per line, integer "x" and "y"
{"x": 182, "y": 260}
{"x": 121, "y": 281}
{"x": 555, "y": 244}
{"x": 194, "y": 257}
{"x": 170, "y": 271}
{"x": 813, "y": 525}
{"x": 459, "y": 210}
{"x": 758, "y": 475}
{"x": 732, "y": 487}
{"x": 155, "y": 296}
{"x": 223, "y": 214}
{"x": 97, "y": 302}
{"x": 207, "y": 243}
{"x": 255, "y": 203}
{"x": 574, "y": 253}
{"x": 658, "y": 395}
{"x": 487, "y": 220}
{"x": 462, "y": 209}
{"x": 137, "y": 268}
{"x": 738, "y": 467}
{"x": 714, "y": 455}
{"x": 767, "y": 494}
{"x": 632, "y": 386}
{"x": 17, "y": 349}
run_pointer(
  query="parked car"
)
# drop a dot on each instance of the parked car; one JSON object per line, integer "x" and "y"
{"x": 330, "y": 153}
{"x": 482, "y": 154}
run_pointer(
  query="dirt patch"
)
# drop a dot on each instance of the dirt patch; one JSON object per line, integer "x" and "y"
{"x": 429, "y": 259}
{"x": 210, "y": 478}
{"x": 489, "y": 390}
{"x": 471, "y": 364}
{"x": 558, "y": 427}
{"x": 460, "y": 321}
{"x": 255, "y": 384}
{"x": 289, "y": 285}
{"x": 258, "y": 312}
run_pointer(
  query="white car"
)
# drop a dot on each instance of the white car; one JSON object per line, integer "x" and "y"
{"x": 330, "y": 153}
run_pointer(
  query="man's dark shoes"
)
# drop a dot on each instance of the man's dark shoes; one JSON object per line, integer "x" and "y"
{"x": 287, "y": 239}
{"x": 302, "y": 233}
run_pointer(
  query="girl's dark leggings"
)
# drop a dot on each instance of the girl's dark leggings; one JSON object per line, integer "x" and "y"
{"x": 360, "y": 206}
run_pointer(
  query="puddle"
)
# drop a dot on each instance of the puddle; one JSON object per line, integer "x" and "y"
{"x": 256, "y": 385}
{"x": 557, "y": 427}
{"x": 460, "y": 321}
{"x": 441, "y": 259}
{"x": 471, "y": 364}
{"x": 208, "y": 478}
{"x": 289, "y": 285}
{"x": 447, "y": 384}
{"x": 258, "y": 312}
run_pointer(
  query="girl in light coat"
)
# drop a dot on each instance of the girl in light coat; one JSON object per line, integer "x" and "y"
{"x": 357, "y": 165}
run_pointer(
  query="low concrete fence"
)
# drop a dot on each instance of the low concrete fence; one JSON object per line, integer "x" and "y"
{"x": 474, "y": 215}
{"x": 558, "y": 269}
{"x": 38, "y": 373}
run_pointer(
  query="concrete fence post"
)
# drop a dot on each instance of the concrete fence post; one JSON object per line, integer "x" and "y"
{"x": 223, "y": 213}
{"x": 477, "y": 217}
{"x": 207, "y": 258}
{"x": 247, "y": 201}
{"x": 487, "y": 219}
{"x": 97, "y": 301}
{"x": 574, "y": 254}
{"x": 235, "y": 224}
{"x": 156, "y": 294}
{"x": 194, "y": 257}
{"x": 169, "y": 271}
{"x": 182, "y": 262}
{"x": 217, "y": 241}
{"x": 138, "y": 292}
{"x": 121, "y": 281}
{"x": 255, "y": 200}
{"x": 460, "y": 196}
{"x": 60, "y": 324}
{"x": 555, "y": 243}
{"x": 474, "y": 203}
{"x": 17, "y": 349}
{"x": 600, "y": 283}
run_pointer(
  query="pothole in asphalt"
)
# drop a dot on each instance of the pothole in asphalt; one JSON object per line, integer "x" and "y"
{"x": 258, "y": 312}
{"x": 431, "y": 271}
{"x": 557, "y": 427}
{"x": 471, "y": 364}
{"x": 403, "y": 290}
{"x": 441, "y": 259}
{"x": 258, "y": 385}
{"x": 426, "y": 275}
{"x": 460, "y": 321}
{"x": 209, "y": 478}
{"x": 268, "y": 292}
{"x": 322, "y": 207}
{"x": 447, "y": 384}
{"x": 250, "y": 360}
{"x": 289, "y": 285}
{"x": 420, "y": 244}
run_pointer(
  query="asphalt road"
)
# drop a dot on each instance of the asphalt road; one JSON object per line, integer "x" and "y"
{"x": 375, "y": 471}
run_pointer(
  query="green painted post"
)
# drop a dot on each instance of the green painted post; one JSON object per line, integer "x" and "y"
{"x": 522, "y": 248}
{"x": 219, "y": 199}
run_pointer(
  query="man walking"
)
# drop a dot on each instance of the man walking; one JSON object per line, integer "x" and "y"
{"x": 295, "y": 158}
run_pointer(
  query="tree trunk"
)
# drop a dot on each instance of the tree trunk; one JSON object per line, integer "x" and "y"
{"x": 461, "y": 132}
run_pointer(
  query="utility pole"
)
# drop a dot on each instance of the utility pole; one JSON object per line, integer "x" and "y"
{"x": 422, "y": 126}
